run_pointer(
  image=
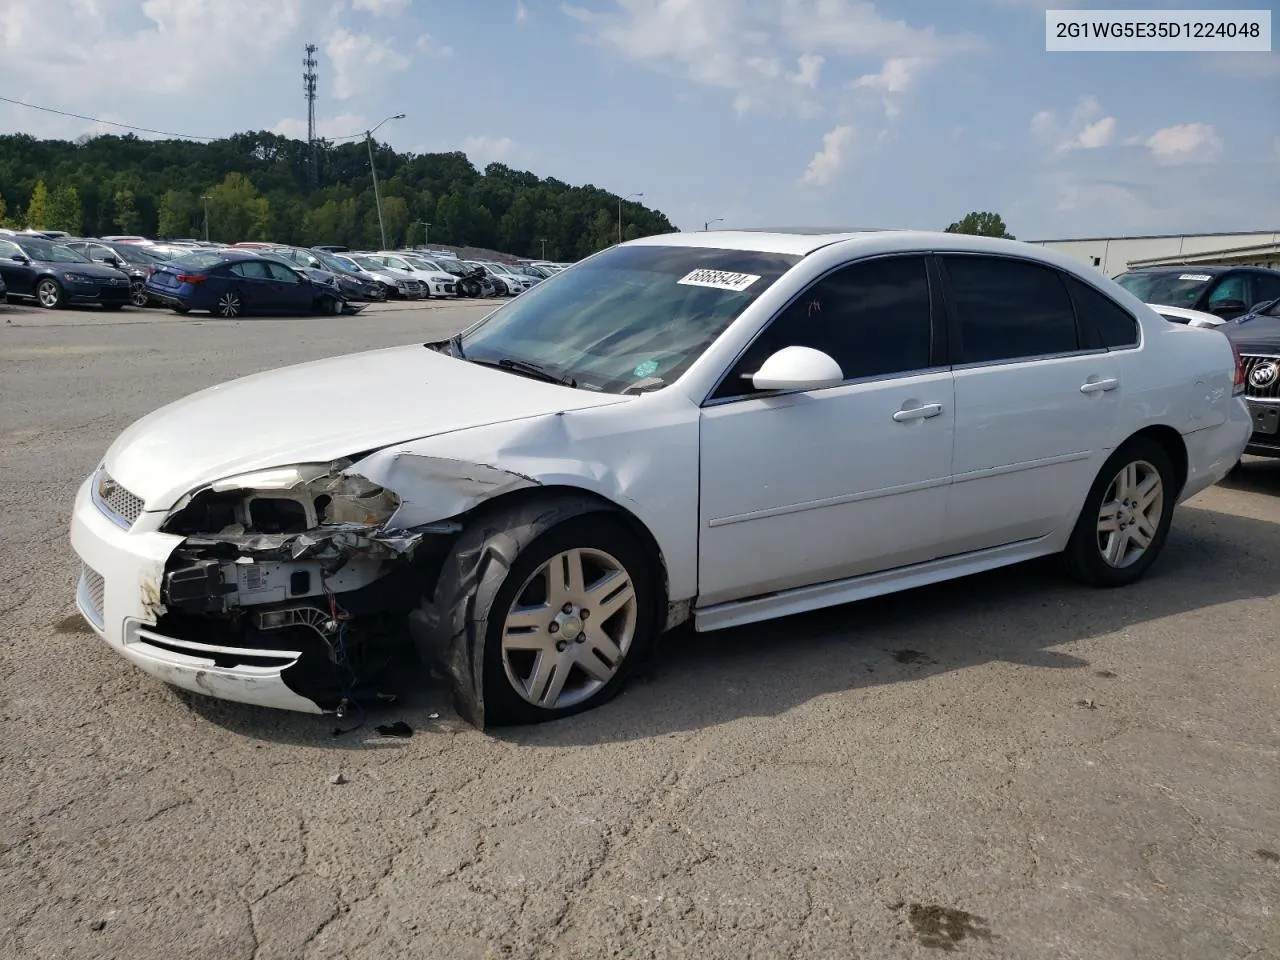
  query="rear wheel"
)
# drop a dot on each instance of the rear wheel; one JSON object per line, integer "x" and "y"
{"x": 229, "y": 305}
{"x": 1126, "y": 516}
{"x": 49, "y": 294}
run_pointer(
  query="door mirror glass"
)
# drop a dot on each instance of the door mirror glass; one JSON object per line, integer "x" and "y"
{"x": 797, "y": 368}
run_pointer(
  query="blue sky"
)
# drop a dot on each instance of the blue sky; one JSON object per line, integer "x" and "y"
{"x": 762, "y": 112}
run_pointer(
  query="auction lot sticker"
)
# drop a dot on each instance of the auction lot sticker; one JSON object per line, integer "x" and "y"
{"x": 719, "y": 279}
{"x": 1152, "y": 31}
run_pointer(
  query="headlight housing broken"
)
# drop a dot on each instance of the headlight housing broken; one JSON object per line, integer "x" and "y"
{"x": 283, "y": 500}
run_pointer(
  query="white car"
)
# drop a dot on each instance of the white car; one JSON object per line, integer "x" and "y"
{"x": 434, "y": 279}
{"x": 727, "y": 427}
{"x": 397, "y": 283}
{"x": 1194, "y": 318}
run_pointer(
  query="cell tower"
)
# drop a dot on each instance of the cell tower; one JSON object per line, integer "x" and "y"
{"x": 309, "y": 86}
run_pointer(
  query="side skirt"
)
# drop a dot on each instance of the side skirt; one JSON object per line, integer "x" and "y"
{"x": 736, "y": 613}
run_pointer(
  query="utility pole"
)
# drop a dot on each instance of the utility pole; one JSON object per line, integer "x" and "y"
{"x": 543, "y": 241}
{"x": 426, "y": 232}
{"x": 373, "y": 171}
{"x": 309, "y": 87}
{"x": 205, "y": 198}
{"x": 707, "y": 226}
{"x": 620, "y": 200}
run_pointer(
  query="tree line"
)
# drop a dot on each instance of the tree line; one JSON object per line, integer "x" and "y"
{"x": 258, "y": 186}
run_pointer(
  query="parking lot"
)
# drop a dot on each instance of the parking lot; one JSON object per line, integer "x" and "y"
{"x": 1010, "y": 765}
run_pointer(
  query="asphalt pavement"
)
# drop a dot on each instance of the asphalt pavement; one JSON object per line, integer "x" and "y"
{"x": 1008, "y": 766}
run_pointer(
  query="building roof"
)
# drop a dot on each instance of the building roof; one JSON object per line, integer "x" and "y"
{"x": 1164, "y": 236}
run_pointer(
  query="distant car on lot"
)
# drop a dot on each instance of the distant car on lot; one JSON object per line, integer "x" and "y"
{"x": 1193, "y": 318}
{"x": 1226, "y": 292}
{"x": 232, "y": 283}
{"x": 435, "y": 281}
{"x": 396, "y": 283}
{"x": 54, "y": 275}
{"x": 137, "y": 260}
{"x": 356, "y": 284}
{"x": 726, "y": 426}
{"x": 1257, "y": 337}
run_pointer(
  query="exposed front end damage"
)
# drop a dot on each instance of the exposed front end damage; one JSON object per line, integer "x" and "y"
{"x": 313, "y": 569}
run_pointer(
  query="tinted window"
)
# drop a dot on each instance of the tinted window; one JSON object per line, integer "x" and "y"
{"x": 1110, "y": 325}
{"x": 280, "y": 272}
{"x": 872, "y": 318}
{"x": 196, "y": 261}
{"x": 1266, "y": 286}
{"x": 255, "y": 269}
{"x": 8, "y": 249}
{"x": 1233, "y": 287}
{"x": 1008, "y": 309}
{"x": 1173, "y": 288}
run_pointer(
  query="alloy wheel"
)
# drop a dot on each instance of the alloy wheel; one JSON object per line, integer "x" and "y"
{"x": 138, "y": 293}
{"x": 229, "y": 305}
{"x": 48, "y": 294}
{"x": 569, "y": 628}
{"x": 1130, "y": 513}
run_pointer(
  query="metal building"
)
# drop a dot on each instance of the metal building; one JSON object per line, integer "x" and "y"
{"x": 1113, "y": 255}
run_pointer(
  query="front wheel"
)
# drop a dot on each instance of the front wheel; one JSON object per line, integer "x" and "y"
{"x": 138, "y": 294}
{"x": 545, "y": 608}
{"x": 49, "y": 294}
{"x": 1125, "y": 519}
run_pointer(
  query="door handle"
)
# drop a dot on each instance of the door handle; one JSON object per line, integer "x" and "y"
{"x": 922, "y": 412}
{"x": 1099, "y": 386}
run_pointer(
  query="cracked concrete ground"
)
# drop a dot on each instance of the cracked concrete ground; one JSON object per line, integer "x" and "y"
{"x": 1007, "y": 766}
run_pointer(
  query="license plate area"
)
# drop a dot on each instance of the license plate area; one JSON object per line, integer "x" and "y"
{"x": 1266, "y": 418}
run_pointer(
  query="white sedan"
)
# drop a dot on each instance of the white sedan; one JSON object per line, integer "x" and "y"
{"x": 1194, "y": 318}
{"x": 727, "y": 427}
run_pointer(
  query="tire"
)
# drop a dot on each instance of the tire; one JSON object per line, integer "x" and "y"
{"x": 138, "y": 294}
{"x": 49, "y": 294}
{"x": 496, "y": 665}
{"x": 1088, "y": 551}
{"x": 229, "y": 305}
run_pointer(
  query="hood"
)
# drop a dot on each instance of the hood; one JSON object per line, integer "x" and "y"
{"x": 1257, "y": 334}
{"x": 87, "y": 269}
{"x": 321, "y": 411}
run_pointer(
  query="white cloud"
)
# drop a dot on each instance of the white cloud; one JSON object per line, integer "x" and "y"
{"x": 342, "y": 125}
{"x": 1085, "y": 129}
{"x": 432, "y": 48}
{"x": 826, "y": 163}
{"x": 359, "y": 61}
{"x": 740, "y": 45}
{"x": 484, "y": 150}
{"x": 381, "y": 8}
{"x": 522, "y": 13}
{"x": 1184, "y": 143}
{"x": 894, "y": 79}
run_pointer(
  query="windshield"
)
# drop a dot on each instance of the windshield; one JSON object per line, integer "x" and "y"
{"x": 370, "y": 264}
{"x": 628, "y": 315}
{"x": 1167, "y": 287}
{"x": 50, "y": 252}
{"x": 331, "y": 262}
{"x": 133, "y": 254}
{"x": 398, "y": 262}
{"x": 420, "y": 264}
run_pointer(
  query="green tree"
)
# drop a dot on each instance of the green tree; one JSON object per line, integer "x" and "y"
{"x": 65, "y": 212}
{"x": 38, "y": 207}
{"x": 236, "y": 212}
{"x": 981, "y": 224}
{"x": 3, "y": 220}
{"x": 395, "y": 217}
{"x": 178, "y": 214}
{"x": 124, "y": 211}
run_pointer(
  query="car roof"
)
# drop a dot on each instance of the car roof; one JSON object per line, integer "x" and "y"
{"x": 1213, "y": 269}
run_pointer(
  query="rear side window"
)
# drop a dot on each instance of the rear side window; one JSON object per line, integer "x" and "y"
{"x": 254, "y": 269}
{"x": 1009, "y": 309}
{"x": 1110, "y": 325}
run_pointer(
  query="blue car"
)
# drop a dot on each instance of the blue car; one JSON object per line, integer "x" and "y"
{"x": 229, "y": 283}
{"x": 54, "y": 275}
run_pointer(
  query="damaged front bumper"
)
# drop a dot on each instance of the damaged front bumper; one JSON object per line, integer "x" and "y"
{"x": 305, "y": 621}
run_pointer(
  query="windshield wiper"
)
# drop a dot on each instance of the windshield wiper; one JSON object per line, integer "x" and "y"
{"x": 525, "y": 368}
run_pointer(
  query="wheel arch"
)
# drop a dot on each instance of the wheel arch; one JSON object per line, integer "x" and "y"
{"x": 1170, "y": 440}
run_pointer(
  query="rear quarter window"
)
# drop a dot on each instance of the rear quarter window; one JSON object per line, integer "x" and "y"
{"x": 1103, "y": 322}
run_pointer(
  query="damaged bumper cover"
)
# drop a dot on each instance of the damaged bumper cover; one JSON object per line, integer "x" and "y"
{"x": 288, "y": 588}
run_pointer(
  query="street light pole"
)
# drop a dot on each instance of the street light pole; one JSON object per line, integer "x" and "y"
{"x": 426, "y": 233}
{"x": 543, "y": 241}
{"x": 707, "y": 226}
{"x": 620, "y": 199}
{"x": 373, "y": 171}
{"x": 205, "y": 198}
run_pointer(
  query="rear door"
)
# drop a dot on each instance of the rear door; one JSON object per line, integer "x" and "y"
{"x": 1036, "y": 400}
{"x": 256, "y": 285}
{"x": 291, "y": 290}
{"x": 19, "y": 277}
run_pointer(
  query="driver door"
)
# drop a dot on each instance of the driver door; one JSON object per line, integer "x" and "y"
{"x": 804, "y": 487}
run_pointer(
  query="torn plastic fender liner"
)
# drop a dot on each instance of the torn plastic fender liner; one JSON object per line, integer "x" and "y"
{"x": 435, "y": 488}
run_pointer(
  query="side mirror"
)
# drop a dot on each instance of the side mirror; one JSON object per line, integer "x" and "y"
{"x": 112, "y": 261}
{"x": 20, "y": 258}
{"x": 797, "y": 368}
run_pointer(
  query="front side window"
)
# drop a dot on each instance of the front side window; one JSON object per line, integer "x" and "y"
{"x": 1266, "y": 287}
{"x": 1230, "y": 290}
{"x": 281, "y": 273}
{"x": 252, "y": 269}
{"x": 872, "y": 317}
{"x": 1008, "y": 309}
{"x": 630, "y": 317}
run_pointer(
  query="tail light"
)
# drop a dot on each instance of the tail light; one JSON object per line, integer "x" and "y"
{"x": 192, "y": 278}
{"x": 1237, "y": 387}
